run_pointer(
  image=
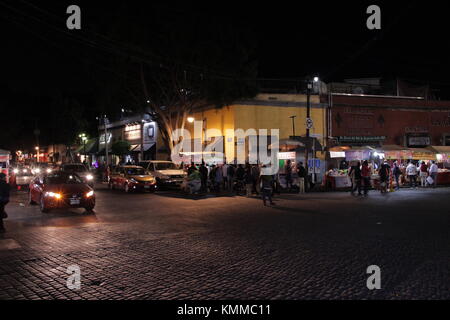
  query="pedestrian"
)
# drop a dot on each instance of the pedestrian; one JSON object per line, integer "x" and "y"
{"x": 4, "y": 199}
{"x": 434, "y": 170}
{"x": 355, "y": 177}
{"x": 212, "y": 177}
{"x": 225, "y": 175}
{"x": 218, "y": 178}
{"x": 248, "y": 179}
{"x": 204, "y": 177}
{"x": 411, "y": 172}
{"x": 397, "y": 172}
{"x": 255, "y": 174}
{"x": 266, "y": 187}
{"x": 230, "y": 177}
{"x": 288, "y": 172}
{"x": 301, "y": 177}
{"x": 365, "y": 176}
{"x": 423, "y": 173}
{"x": 384, "y": 173}
{"x": 191, "y": 168}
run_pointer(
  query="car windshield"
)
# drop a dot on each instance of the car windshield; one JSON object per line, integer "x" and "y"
{"x": 165, "y": 166}
{"x": 74, "y": 168}
{"x": 135, "y": 171}
{"x": 62, "y": 178}
{"x": 24, "y": 172}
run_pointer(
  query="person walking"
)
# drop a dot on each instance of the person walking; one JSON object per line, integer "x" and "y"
{"x": 191, "y": 169}
{"x": 288, "y": 171}
{"x": 384, "y": 173}
{"x": 365, "y": 176}
{"x": 230, "y": 177}
{"x": 255, "y": 174}
{"x": 219, "y": 178}
{"x": 355, "y": 176}
{"x": 203, "y": 177}
{"x": 225, "y": 175}
{"x": 434, "y": 173}
{"x": 301, "y": 177}
{"x": 423, "y": 174}
{"x": 266, "y": 188}
{"x": 4, "y": 199}
{"x": 397, "y": 172}
{"x": 411, "y": 172}
{"x": 248, "y": 179}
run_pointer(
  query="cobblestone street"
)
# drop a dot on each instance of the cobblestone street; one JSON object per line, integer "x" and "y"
{"x": 166, "y": 246}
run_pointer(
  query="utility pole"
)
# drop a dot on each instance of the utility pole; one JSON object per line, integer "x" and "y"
{"x": 308, "y": 117}
{"x": 106, "y": 140}
{"x": 293, "y": 125}
{"x": 142, "y": 139}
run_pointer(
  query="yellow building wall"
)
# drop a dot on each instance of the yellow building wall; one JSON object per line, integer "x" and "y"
{"x": 239, "y": 116}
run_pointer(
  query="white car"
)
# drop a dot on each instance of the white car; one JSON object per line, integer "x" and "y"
{"x": 167, "y": 173}
{"x": 81, "y": 170}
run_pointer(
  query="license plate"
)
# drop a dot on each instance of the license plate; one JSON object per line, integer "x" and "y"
{"x": 74, "y": 201}
{"x": 146, "y": 187}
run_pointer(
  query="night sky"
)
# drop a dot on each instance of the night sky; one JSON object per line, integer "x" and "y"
{"x": 41, "y": 59}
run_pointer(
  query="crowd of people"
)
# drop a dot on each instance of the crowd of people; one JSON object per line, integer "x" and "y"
{"x": 242, "y": 179}
{"x": 360, "y": 175}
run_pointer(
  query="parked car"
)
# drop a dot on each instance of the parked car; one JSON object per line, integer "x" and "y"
{"x": 81, "y": 170}
{"x": 61, "y": 190}
{"x": 22, "y": 176}
{"x": 167, "y": 173}
{"x": 131, "y": 178}
{"x": 41, "y": 167}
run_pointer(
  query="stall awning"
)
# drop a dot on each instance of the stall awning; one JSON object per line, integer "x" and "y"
{"x": 138, "y": 147}
{"x": 91, "y": 147}
{"x": 423, "y": 154}
{"x": 441, "y": 149}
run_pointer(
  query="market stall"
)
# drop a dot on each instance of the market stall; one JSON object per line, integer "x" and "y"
{"x": 443, "y": 161}
{"x": 4, "y": 162}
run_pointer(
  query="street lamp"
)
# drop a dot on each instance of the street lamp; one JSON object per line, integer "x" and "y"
{"x": 190, "y": 119}
{"x": 83, "y": 138}
{"x": 309, "y": 124}
{"x": 293, "y": 125}
{"x": 37, "y": 154}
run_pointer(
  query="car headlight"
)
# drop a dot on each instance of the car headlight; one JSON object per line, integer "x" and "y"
{"x": 16, "y": 170}
{"x": 89, "y": 194}
{"x": 53, "y": 195}
{"x": 49, "y": 170}
{"x": 89, "y": 177}
{"x": 25, "y": 170}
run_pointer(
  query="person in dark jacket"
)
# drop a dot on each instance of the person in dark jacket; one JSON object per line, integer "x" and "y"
{"x": 4, "y": 199}
{"x": 204, "y": 177}
{"x": 355, "y": 177}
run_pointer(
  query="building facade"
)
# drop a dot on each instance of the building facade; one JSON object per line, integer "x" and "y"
{"x": 388, "y": 120}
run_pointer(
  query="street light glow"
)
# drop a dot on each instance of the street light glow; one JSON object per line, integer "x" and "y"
{"x": 316, "y": 79}
{"x": 190, "y": 119}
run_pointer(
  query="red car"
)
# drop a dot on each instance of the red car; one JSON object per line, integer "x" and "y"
{"x": 61, "y": 190}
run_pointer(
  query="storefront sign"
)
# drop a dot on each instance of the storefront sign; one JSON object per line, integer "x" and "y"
{"x": 286, "y": 155}
{"x": 133, "y": 132}
{"x": 337, "y": 154}
{"x": 357, "y": 155}
{"x": 419, "y": 141}
{"x": 361, "y": 139}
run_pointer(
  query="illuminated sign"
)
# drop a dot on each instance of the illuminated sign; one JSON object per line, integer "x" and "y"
{"x": 286, "y": 155}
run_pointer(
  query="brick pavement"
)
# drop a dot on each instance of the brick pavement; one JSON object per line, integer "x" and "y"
{"x": 230, "y": 248}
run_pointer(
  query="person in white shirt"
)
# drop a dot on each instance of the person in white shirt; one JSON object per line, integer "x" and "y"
{"x": 225, "y": 175}
{"x": 411, "y": 172}
{"x": 433, "y": 171}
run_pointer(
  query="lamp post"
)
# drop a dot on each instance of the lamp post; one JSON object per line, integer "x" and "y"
{"x": 37, "y": 154}
{"x": 293, "y": 125}
{"x": 309, "y": 125}
{"x": 83, "y": 138}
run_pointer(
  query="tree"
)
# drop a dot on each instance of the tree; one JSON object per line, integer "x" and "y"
{"x": 174, "y": 64}
{"x": 120, "y": 148}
